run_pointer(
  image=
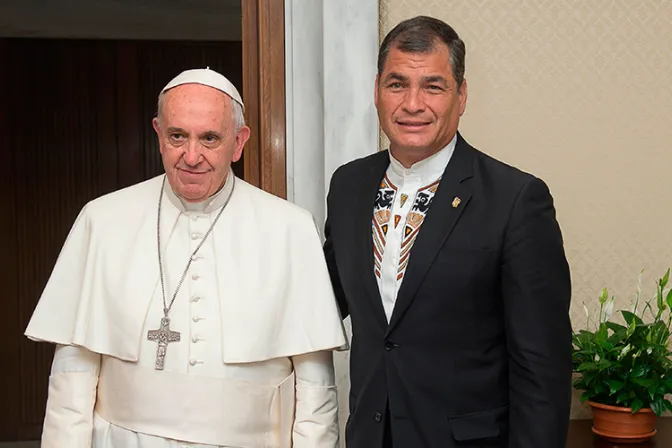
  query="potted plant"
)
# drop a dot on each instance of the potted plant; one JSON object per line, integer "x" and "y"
{"x": 625, "y": 371}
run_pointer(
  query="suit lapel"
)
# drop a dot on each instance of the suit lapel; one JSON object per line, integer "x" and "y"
{"x": 363, "y": 237}
{"x": 437, "y": 226}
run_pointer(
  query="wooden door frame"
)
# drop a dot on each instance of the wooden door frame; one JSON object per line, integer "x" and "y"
{"x": 264, "y": 94}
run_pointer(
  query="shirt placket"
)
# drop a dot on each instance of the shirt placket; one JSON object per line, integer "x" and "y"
{"x": 198, "y": 278}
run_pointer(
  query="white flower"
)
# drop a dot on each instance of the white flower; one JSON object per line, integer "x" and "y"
{"x": 625, "y": 351}
{"x": 609, "y": 309}
{"x": 603, "y": 295}
{"x": 639, "y": 282}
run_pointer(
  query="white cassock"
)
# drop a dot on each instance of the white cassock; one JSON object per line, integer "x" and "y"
{"x": 256, "y": 315}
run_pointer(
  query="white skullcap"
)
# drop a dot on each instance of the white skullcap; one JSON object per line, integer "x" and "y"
{"x": 206, "y": 77}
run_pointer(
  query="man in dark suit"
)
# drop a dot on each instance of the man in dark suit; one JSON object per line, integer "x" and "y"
{"x": 452, "y": 268}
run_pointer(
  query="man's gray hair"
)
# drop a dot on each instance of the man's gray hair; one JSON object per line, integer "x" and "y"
{"x": 238, "y": 114}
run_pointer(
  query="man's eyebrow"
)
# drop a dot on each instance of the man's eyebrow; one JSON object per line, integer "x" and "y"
{"x": 396, "y": 77}
{"x": 435, "y": 78}
{"x": 210, "y": 134}
{"x": 175, "y": 130}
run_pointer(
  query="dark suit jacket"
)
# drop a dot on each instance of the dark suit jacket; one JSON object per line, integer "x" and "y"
{"x": 478, "y": 349}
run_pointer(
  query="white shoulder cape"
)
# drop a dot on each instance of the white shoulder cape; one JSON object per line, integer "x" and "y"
{"x": 277, "y": 299}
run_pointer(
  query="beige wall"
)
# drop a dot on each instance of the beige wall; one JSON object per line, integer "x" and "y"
{"x": 578, "y": 93}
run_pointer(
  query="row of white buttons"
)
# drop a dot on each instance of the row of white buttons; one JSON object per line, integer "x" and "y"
{"x": 195, "y": 277}
{"x": 195, "y": 339}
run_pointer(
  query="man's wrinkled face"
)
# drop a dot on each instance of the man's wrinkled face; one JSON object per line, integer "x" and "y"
{"x": 198, "y": 139}
{"x": 419, "y": 103}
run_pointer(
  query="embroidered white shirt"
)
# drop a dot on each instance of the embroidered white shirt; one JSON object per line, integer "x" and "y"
{"x": 404, "y": 197}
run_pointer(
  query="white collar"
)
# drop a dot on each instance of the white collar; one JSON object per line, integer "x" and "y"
{"x": 428, "y": 169}
{"x": 209, "y": 205}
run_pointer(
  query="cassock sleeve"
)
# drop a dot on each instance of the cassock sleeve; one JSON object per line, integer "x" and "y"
{"x": 316, "y": 419}
{"x": 72, "y": 395}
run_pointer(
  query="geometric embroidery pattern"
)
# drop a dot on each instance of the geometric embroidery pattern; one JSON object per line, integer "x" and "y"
{"x": 382, "y": 212}
{"x": 414, "y": 219}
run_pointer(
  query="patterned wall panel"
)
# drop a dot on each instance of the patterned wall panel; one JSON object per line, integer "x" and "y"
{"x": 579, "y": 94}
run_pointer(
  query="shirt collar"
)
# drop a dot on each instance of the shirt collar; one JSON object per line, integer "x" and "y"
{"x": 209, "y": 205}
{"x": 428, "y": 169}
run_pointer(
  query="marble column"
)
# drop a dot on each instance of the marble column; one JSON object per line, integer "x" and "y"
{"x": 331, "y": 47}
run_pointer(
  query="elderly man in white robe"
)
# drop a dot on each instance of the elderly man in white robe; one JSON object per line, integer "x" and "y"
{"x": 192, "y": 309}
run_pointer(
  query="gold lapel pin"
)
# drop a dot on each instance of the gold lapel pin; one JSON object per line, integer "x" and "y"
{"x": 456, "y": 202}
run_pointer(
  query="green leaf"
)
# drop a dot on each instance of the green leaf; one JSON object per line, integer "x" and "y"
{"x": 637, "y": 405}
{"x": 629, "y": 318}
{"x": 652, "y": 391}
{"x": 587, "y": 366}
{"x": 657, "y": 406}
{"x": 666, "y": 277}
{"x": 602, "y": 335}
{"x": 668, "y": 299}
{"x": 586, "y": 396}
{"x": 659, "y": 297}
{"x": 615, "y": 386}
{"x": 589, "y": 377}
{"x": 631, "y": 330}
{"x": 644, "y": 382}
{"x": 623, "y": 397}
{"x": 639, "y": 371}
{"x": 616, "y": 328}
{"x": 604, "y": 364}
{"x": 668, "y": 405}
{"x": 600, "y": 388}
{"x": 608, "y": 346}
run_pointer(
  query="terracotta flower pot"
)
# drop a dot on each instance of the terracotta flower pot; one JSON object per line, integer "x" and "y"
{"x": 619, "y": 425}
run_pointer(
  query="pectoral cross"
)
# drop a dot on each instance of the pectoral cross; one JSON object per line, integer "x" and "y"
{"x": 164, "y": 337}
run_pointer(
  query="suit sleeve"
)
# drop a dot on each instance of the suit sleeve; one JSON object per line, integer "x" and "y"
{"x": 536, "y": 290}
{"x": 316, "y": 415}
{"x": 73, "y": 385}
{"x": 330, "y": 254}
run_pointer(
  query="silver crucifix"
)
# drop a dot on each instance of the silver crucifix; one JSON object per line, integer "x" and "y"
{"x": 164, "y": 337}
